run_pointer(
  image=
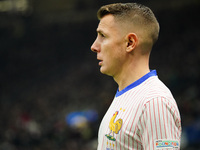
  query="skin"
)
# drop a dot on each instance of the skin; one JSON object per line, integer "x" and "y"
{"x": 119, "y": 51}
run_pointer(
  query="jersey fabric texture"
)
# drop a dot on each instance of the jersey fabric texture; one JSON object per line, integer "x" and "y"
{"x": 143, "y": 116}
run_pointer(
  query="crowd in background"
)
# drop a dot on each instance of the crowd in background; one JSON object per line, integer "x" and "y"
{"x": 49, "y": 72}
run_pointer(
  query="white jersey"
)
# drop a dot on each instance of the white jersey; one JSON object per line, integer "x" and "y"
{"x": 143, "y": 116}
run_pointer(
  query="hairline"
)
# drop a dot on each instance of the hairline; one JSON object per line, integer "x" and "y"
{"x": 126, "y": 16}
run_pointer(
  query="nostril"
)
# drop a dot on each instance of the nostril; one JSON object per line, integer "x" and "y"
{"x": 93, "y": 48}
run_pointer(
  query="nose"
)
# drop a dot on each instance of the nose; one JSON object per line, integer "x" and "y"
{"x": 95, "y": 47}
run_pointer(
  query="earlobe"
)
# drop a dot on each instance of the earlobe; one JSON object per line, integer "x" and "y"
{"x": 132, "y": 40}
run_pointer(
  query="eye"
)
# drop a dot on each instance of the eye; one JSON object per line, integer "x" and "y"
{"x": 101, "y": 34}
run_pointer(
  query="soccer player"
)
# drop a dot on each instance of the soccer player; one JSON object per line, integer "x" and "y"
{"x": 143, "y": 114}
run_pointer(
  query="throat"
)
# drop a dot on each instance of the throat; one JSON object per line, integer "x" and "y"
{"x": 129, "y": 79}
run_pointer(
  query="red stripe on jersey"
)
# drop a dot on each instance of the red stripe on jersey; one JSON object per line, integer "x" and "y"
{"x": 163, "y": 118}
{"x": 159, "y": 120}
{"x": 155, "y": 119}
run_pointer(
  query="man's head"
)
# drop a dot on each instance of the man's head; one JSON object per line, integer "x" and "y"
{"x": 135, "y": 18}
{"x": 124, "y": 30}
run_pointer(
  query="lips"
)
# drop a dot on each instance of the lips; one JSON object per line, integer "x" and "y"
{"x": 100, "y": 61}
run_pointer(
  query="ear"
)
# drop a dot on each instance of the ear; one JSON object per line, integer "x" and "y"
{"x": 132, "y": 41}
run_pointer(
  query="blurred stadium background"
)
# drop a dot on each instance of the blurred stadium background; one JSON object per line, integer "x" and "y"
{"x": 52, "y": 95}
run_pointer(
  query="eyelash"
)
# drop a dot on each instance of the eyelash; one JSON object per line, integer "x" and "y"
{"x": 102, "y": 35}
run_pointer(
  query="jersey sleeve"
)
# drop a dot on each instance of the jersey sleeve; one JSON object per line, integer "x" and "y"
{"x": 160, "y": 125}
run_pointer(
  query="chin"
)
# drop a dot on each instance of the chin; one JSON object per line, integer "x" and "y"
{"x": 104, "y": 71}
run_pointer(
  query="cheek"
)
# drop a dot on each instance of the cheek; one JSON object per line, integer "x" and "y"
{"x": 113, "y": 49}
{"x": 119, "y": 51}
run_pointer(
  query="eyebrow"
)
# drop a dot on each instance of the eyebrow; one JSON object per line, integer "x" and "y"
{"x": 100, "y": 31}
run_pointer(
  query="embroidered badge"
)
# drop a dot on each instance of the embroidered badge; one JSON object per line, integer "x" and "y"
{"x": 114, "y": 127}
{"x": 166, "y": 144}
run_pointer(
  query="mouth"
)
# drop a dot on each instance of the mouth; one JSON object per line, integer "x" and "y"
{"x": 100, "y": 62}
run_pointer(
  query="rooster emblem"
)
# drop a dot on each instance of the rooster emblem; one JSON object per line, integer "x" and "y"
{"x": 114, "y": 126}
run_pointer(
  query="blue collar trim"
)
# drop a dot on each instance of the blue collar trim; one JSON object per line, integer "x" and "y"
{"x": 136, "y": 83}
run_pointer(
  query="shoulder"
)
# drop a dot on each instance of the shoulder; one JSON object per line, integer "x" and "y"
{"x": 156, "y": 88}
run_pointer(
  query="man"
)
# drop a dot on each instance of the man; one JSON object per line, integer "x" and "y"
{"x": 143, "y": 114}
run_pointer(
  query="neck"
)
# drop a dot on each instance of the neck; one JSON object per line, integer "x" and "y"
{"x": 132, "y": 73}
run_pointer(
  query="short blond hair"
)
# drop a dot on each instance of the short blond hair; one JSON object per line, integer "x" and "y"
{"x": 135, "y": 13}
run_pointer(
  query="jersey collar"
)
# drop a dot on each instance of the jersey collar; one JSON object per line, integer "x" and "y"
{"x": 136, "y": 83}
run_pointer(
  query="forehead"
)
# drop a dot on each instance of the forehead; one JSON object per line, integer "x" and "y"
{"x": 107, "y": 23}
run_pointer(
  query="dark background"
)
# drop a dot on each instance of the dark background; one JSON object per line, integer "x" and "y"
{"x": 47, "y": 71}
